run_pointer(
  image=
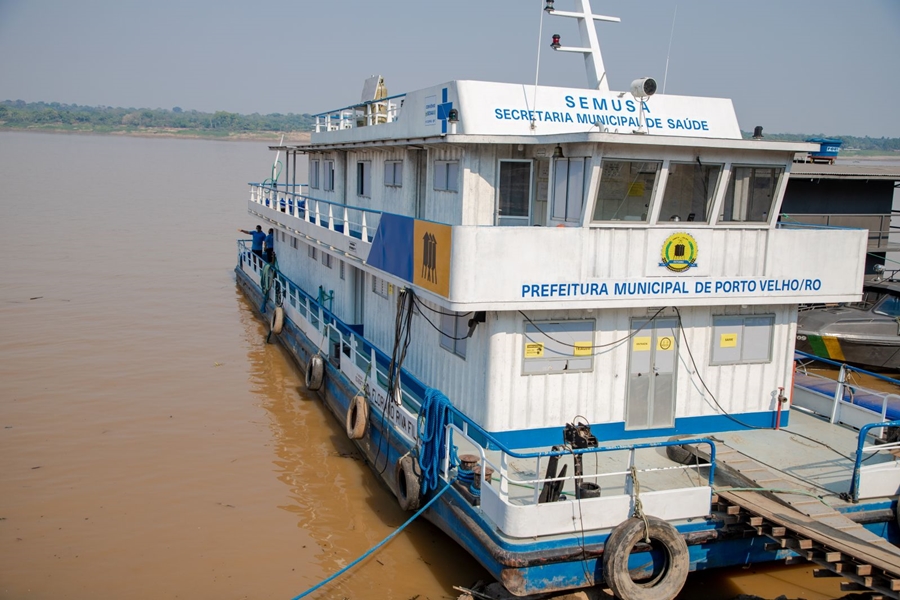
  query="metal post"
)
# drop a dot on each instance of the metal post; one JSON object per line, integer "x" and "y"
{"x": 504, "y": 481}
{"x": 838, "y": 394}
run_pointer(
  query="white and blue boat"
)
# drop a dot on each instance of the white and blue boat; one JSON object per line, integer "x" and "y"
{"x": 571, "y": 313}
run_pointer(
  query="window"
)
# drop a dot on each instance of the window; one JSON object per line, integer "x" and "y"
{"x": 889, "y": 306}
{"x": 329, "y": 176}
{"x": 453, "y": 333}
{"x": 393, "y": 173}
{"x": 690, "y": 190}
{"x": 751, "y": 194}
{"x": 311, "y": 251}
{"x": 342, "y": 269}
{"x": 626, "y": 187}
{"x": 364, "y": 178}
{"x": 558, "y": 347}
{"x": 446, "y": 175}
{"x": 326, "y": 259}
{"x": 514, "y": 193}
{"x": 282, "y": 236}
{"x": 379, "y": 286}
{"x": 569, "y": 183}
{"x": 314, "y": 174}
{"x": 742, "y": 339}
{"x": 293, "y": 242}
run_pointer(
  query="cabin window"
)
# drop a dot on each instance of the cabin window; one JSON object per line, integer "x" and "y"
{"x": 888, "y": 306}
{"x": 314, "y": 174}
{"x": 453, "y": 332}
{"x": 742, "y": 339}
{"x": 558, "y": 347}
{"x": 329, "y": 176}
{"x": 569, "y": 183}
{"x": 514, "y": 193}
{"x": 326, "y": 259}
{"x": 380, "y": 286}
{"x": 311, "y": 252}
{"x": 690, "y": 190}
{"x": 750, "y": 195}
{"x": 293, "y": 242}
{"x": 446, "y": 175}
{"x": 626, "y": 187}
{"x": 364, "y": 178}
{"x": 393, "y": 173}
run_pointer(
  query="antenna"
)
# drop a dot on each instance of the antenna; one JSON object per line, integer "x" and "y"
{"x": 671, "y": 35}
{"x": 593, "y": 60}
{"x": 537, "y": 67}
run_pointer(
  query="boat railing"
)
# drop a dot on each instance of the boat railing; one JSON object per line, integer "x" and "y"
{"x": 879, "y": 225}
{"x": 364, "y": 114}
{"x": 501, "y": 468}
{"x": 339, "y": 342}
{"x": 863, "y": 449}
{"x": 844, "y": 399}
{"x": 351, "y": 221}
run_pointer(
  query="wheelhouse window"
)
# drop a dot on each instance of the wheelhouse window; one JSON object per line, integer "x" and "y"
{"x": 690, "y": 190}
{"x": 568, "y": 189}
{"x": 314, "y": 174}
{"x": 364, "y": 178}
{"x": 626, "y": 187}
{"x": 393, "y": 173}
{"x": 514, "y": 193}
{"x": 446, "y": 175}
{"x": 750, "y": 195}
{"x": 453, "y": 333}
{"x": 329, "y": 176}
{"x": 888, "y": 306}
{"x": 742, "y": 339}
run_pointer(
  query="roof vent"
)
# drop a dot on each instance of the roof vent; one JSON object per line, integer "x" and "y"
{"x": 757, "y": 132}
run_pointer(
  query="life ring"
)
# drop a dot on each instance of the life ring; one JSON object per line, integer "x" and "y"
{"x": 357, "y": 417}
{"x": 277, "y": 320}
{"x": 664, "y": 583}
{"x": 315, "y": 372}
{"x": 408, "y": 485}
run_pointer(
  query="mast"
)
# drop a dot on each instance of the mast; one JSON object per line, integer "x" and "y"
{"x": 593, "y": 60}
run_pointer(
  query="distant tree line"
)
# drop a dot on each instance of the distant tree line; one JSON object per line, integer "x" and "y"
{"x": 850, "y": 142}
{"x": 20, "y": 114}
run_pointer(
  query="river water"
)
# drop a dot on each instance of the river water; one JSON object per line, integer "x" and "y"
{"x": 151, "y": 444}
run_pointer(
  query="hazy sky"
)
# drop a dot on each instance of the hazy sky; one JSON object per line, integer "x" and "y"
{"x": 792, "y": 66}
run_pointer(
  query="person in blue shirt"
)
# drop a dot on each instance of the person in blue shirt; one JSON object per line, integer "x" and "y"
{"x": 270, "y": 245}
{"x": 258, "y": 238}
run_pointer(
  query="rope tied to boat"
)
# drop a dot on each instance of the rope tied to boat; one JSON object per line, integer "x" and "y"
{"x": 434, "y": 416}
{"x": 638, "y": 506}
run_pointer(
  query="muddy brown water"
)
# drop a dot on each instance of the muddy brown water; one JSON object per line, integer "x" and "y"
{"x": 151, "y": 444}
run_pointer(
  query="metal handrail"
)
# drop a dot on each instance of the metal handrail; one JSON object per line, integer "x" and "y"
{"x": 861, "y": 448}
{"x": 848, "y": 367}
{"x": 360, "y": 104}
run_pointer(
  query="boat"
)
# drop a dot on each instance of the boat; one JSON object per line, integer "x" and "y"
{"x": 865, "y": 333}
{"x": 560, "y": 323}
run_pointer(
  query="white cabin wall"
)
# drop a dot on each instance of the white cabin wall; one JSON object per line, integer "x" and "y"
{"x": 443, "y": 206}
{"x": 519, "y": 401}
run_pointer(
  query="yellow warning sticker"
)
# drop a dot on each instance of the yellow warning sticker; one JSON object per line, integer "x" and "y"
{"x": 534, "y": 350}
{"x": 666, "y": 342}
{"x": 583, "y": 349}
{"x": 636, "y": 189}
{"x": 728, "y": 340}
{"x": 641, "y": 344}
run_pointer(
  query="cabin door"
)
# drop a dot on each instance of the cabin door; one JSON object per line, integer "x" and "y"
{"x": 359, "y": 295}
{"x": 652, "y": 362}
{"x": 514, "y": 193}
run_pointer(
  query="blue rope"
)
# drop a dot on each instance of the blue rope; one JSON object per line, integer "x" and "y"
{"x": 375, "y": 547}
{"x": 433, "y": 419}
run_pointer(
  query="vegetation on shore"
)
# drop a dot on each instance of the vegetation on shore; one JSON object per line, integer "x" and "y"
{"x": 54, "y": 116}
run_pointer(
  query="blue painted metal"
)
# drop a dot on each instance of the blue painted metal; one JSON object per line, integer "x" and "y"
{"x": 863, "y": 432}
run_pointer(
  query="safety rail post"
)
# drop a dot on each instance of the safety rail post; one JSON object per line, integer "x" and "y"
{"x": 504, "y": 476}
{"x": 330, "y": 217}
{"x": 317, "y": 221}
{"x": 365, "y": 229}
{"x": 346, "y": 221}
{"x": 838, "y": 394}
{"x": 629, "y": 479}
{"x": 537, "y": 471}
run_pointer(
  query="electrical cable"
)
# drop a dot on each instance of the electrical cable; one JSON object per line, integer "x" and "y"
{"x": 613, "y": 343}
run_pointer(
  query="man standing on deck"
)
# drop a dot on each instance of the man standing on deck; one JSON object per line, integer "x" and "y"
{"x": 258, "y": 237}
{"x": 270, "y": 245}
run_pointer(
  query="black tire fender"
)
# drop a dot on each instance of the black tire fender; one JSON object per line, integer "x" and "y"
{"x": 409, "y": 485}
{"x": 357, "y": 417}
{"x": 315, "y": 373}
{"x": 662, "y": 585}
{"x": 277, "y": 320}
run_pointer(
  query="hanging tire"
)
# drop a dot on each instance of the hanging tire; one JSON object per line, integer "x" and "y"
{"x": 664, "y": 583}
{"x": 315, "y": 373}
{"x": 357, "y": 417}
{"x": 408, "y": 485}
{"x": 277, "y": 320}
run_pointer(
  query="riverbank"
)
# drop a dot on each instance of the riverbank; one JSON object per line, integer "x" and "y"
{"x": 292, "y": 137}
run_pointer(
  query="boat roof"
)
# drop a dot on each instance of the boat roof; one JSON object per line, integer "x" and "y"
{"x": 845, "y": 171}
